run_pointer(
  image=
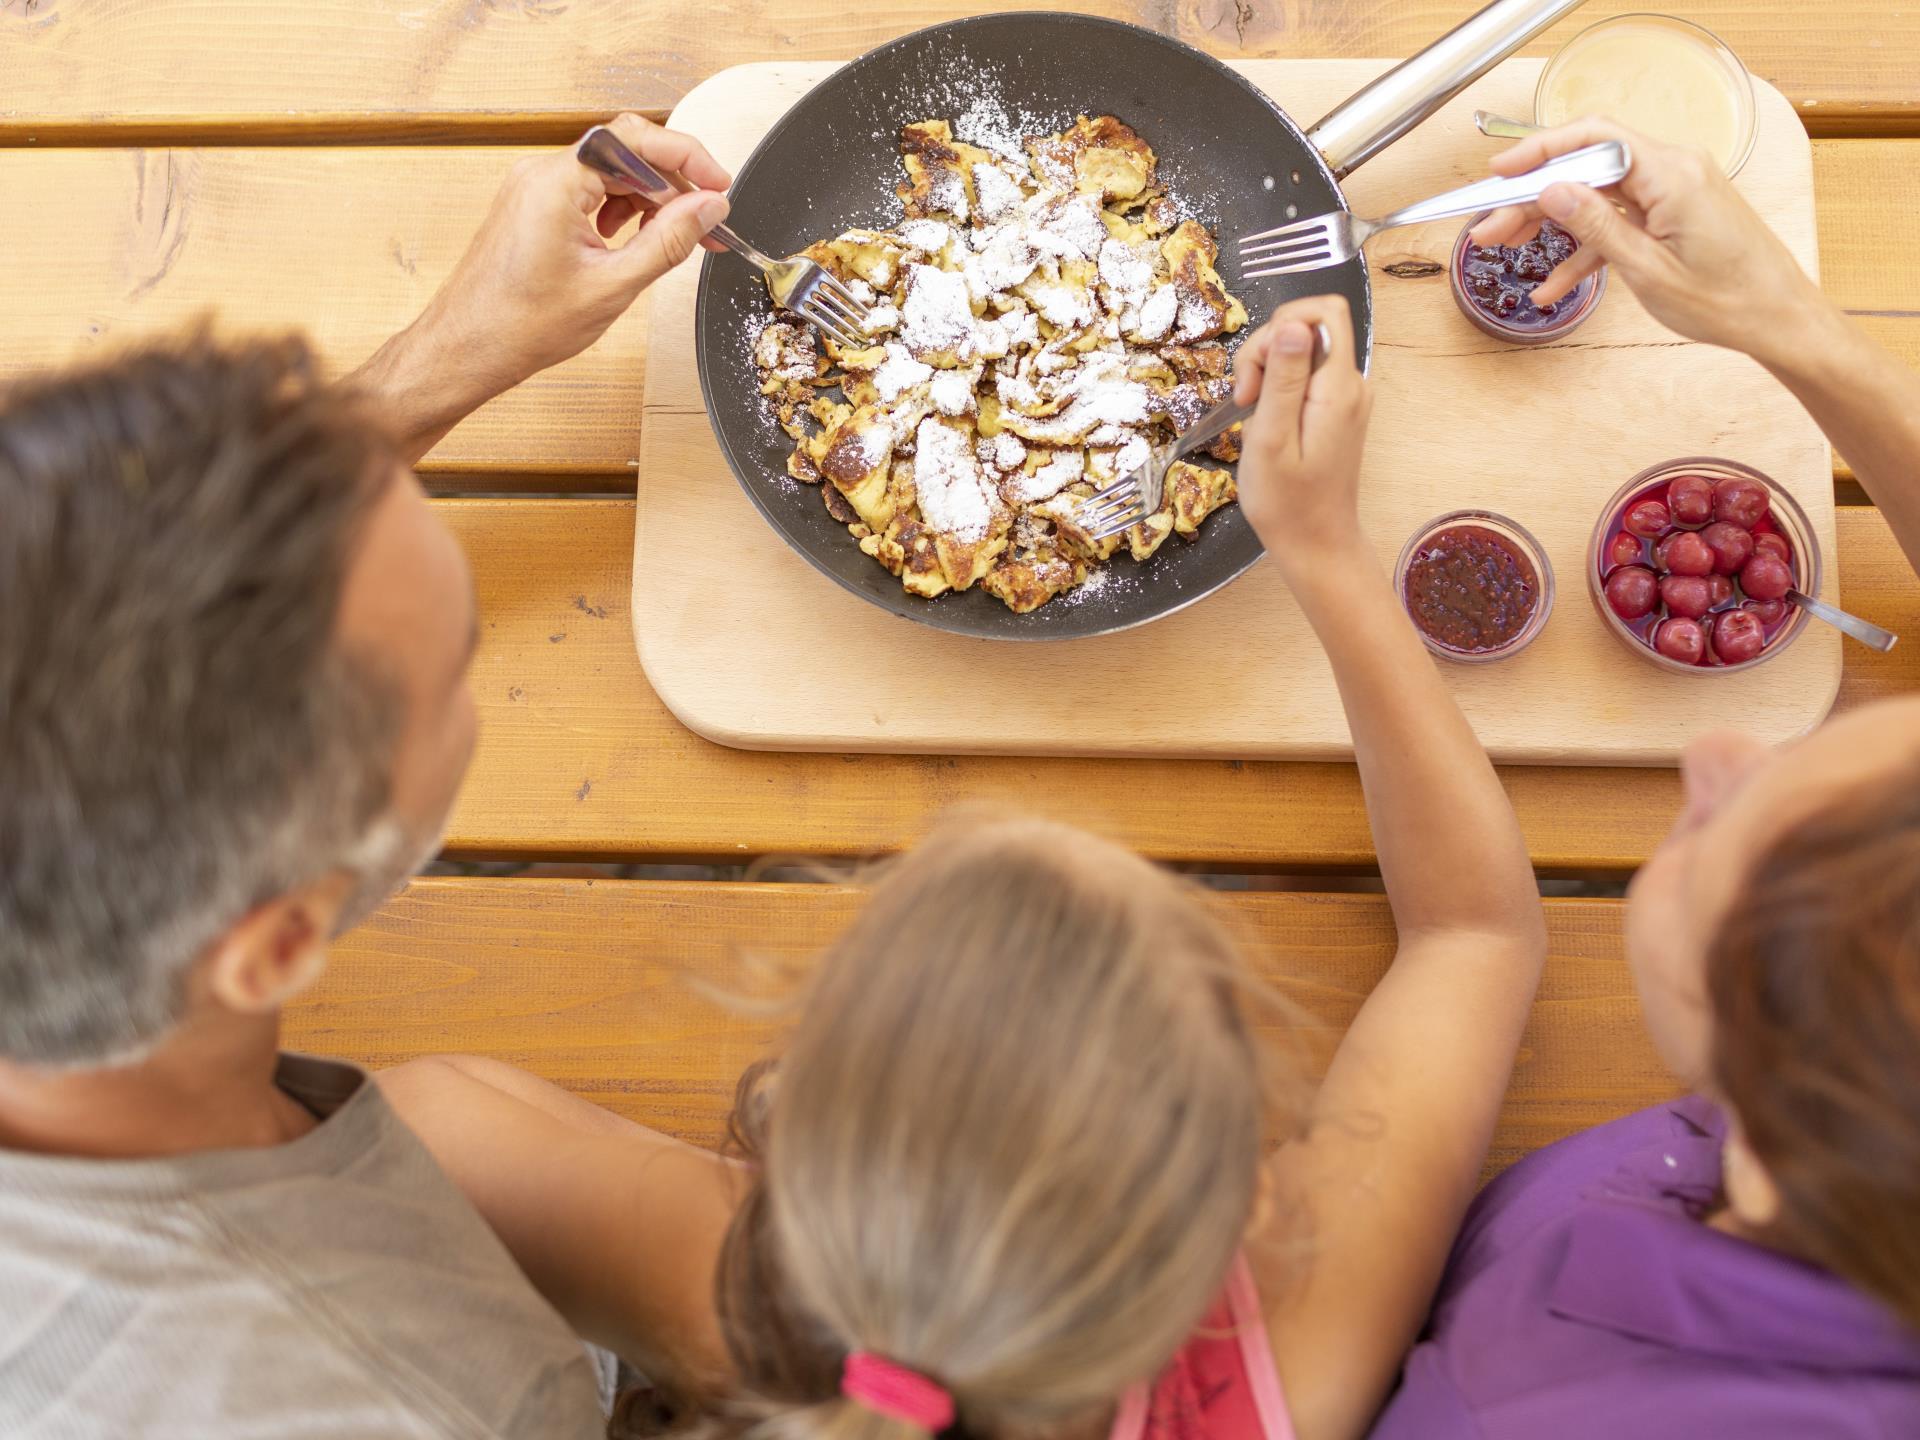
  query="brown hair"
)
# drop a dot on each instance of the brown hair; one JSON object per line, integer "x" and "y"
{"x": 1815, "y": 990}
{"x": 1013, "y": 1142}
{"x": 180, "y": 737}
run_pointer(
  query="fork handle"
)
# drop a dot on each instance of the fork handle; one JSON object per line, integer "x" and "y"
{"x": 1597, "y": 165}
{"x": 602, "y": 150}
{"x": 1229, "y": 413}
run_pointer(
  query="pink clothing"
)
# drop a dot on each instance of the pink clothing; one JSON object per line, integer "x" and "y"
{"x": 1221, "y": 1386}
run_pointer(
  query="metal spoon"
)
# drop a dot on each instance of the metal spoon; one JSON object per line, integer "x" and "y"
{"x": 1872, "y": 636}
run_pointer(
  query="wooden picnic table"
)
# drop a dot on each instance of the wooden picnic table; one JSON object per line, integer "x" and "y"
{"x": 322, "y": 165}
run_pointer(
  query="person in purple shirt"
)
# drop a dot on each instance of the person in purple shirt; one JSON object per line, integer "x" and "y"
{"x": 1744, "y": 1262}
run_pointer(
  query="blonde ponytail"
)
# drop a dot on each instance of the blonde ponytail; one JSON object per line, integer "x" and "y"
{"x": 1013, "y": 1144}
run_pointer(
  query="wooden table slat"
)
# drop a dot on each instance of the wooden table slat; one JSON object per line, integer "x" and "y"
{"x": 252, "y": 70}
{"x": 349, "y": 244}
{"x": 578, "y": 757}
{"x": 590, "y": 985}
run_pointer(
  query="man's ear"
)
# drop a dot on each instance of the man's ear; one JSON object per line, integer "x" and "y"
{"x": 278, "y": 948}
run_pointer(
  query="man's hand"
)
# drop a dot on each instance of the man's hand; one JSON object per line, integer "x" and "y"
{"x": 540, "y": 282}
{"x": 1300, "y": 453}
{"x": 1701, "y": 261}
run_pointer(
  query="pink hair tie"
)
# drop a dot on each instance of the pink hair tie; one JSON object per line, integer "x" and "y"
{"x": 896, "y": 1392}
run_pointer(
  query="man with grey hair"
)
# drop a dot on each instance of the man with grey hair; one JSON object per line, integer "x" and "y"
{"x": 234, "y": 715}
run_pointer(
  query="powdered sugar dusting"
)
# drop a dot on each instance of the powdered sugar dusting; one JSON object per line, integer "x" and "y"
{"x": 1061, "y": 470}
{"x": 952, "y": 391}
{"x": 1009, "y": 250}
{"x": 953, "y": 494}
{"x": 937, "y": 316}
{"x": 1157, "y": 313}
{"x": 898, "y": 373}
{"x": 929, "y": 237}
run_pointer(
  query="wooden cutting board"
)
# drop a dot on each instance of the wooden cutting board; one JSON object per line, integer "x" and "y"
{"x": 766, "y": 653}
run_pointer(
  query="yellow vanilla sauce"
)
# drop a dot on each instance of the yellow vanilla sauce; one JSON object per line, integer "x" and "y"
{"x": 1664, "y": 81}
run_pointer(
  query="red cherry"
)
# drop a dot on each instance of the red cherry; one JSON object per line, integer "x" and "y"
{"x": 1741, "y": 502}
{"x": 1688, "y": 596}
{"x": 1732, "y": 547}
{"x": 1766, "y": 577}
{"x": 1681, "y": 640}
{"x": 1769, "y": 612}
{"x": 1632, "y": 591}
{"x": 1738, "y": 637}
{"x": 1772, "y": 542}
{"x": 1648, "y": 519}
{"x": 1719, "y": 590}
{"x": 1684, "y": 554}
{"x": 1624, "y": 549}
{"x": 1690, "y": 498}
{"x": 1707, "y": 624}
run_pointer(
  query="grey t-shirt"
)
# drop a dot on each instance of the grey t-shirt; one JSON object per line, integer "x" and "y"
{"x": 335, "y": 1286}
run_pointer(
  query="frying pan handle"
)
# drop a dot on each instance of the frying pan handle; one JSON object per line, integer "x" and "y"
{"x": 1370, "y": 121}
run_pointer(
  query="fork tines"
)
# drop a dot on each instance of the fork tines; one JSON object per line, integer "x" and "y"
{"x": 832, "y": 308}
{"x": 1305, "y": 245}
{"x": 1119, "y": 507}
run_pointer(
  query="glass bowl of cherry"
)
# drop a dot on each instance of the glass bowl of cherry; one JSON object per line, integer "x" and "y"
{"x": 1494, "y": 284}
{"x": 1691, "y": 563}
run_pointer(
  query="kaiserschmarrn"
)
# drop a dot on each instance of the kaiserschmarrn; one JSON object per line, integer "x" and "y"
{"x": 1035, "y": 329}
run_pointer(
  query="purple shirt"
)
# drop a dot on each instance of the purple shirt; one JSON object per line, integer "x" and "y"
{"x": 1585, "y": 1300}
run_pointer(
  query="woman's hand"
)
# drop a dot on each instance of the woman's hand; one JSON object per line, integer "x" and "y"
{"x": 1301, "y": 451}
{"x": 1690, "y": 246}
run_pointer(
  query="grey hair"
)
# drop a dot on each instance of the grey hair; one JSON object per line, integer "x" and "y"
{"x": 182, "y": 737}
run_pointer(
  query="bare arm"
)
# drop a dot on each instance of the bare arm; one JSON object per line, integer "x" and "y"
{"x": 618, "y": 1226}
{"x": 1706, "y": 265}
{"x": 1404, "y": 1116}
{"x": 539, "y": 283}
{"x": 1866, "y": 401}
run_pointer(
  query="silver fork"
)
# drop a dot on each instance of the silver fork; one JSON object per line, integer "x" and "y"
{"x": 1328, "y": 240}
{"x": 1138, "y": 493}
{"x": 796, "y": 284}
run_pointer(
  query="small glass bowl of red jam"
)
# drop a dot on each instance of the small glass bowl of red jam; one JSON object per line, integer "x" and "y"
{"x": 1493, "y": 286}
{"x": 1477, "y": 586}
{"x": 1691, "y": 561}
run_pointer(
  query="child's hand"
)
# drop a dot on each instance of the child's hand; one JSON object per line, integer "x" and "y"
{"x": 1300, "y": 453}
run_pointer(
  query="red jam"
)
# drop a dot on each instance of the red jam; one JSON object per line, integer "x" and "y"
{"x": 1500, "y": 279}
{"x": 1471, "y": 590}
{"x": 1696, "y": 569}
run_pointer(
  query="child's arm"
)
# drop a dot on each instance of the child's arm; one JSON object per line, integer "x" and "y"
{"x": 1377, "y": 1189}
{"x": 618, "y": 1226}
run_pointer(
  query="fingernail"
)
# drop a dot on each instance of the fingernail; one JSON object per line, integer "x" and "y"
{"x": 1293, "y": 339}
{"x": 712, "y": 211}
{"x": 1559, "y": 202}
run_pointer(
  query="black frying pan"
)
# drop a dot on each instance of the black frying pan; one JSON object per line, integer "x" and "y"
{"x": 832, "y": 163}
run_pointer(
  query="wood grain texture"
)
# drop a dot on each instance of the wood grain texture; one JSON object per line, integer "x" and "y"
{"x": 1459, "y": 422}
{"x": 350, "y": 243}
{"x": 593, "y": 986}
{"x": 578, "y": 757}
{"x": 347, "y": 245}
{"x": 250, "y": 70}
